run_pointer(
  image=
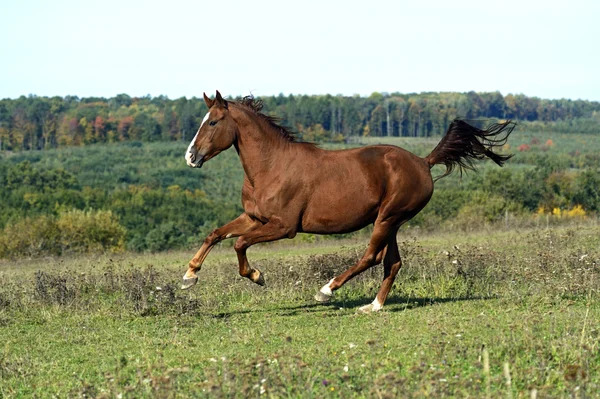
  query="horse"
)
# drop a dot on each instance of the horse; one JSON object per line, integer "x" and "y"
{"x": 293, "y": 187}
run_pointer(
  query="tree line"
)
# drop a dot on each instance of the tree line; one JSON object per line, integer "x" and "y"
{"x": 38, "y": 123}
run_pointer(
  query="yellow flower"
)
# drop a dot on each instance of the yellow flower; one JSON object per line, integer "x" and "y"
{"x": 576, "y": 211}
{"x": 541, "y": 211}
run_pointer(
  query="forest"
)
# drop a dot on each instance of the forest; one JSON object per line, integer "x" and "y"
{"x": 89, "y": 175}
{"x": 39, "y": 123}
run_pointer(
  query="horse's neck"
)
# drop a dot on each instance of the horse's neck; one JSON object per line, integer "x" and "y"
{"x": 259, "y": 148}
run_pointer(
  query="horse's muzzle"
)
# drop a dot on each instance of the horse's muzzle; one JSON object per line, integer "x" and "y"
{"x": 194, "y": 160}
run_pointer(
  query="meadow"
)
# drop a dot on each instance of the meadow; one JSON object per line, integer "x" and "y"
{"x": 493, "y": 313}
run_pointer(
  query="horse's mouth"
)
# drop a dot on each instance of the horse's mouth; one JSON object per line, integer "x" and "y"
{"x": 197, "y": 164}
{"x": 191, "y": 160}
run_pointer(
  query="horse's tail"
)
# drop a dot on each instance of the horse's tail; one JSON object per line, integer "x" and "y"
{"x": 463, "y": 143}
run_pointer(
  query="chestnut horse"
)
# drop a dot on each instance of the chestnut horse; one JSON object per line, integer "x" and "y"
{"x": 293, "y": 187}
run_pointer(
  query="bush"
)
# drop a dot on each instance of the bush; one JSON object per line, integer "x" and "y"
{"x": 71, "y": 231}
{"x": 30, "y": 237}
{"x": 90, "y": 231}
{"x": 165, "y": 236}
{"x": 485, "y": 209}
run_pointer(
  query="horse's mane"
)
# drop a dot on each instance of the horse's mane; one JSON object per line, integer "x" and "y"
{"x": 255, "y": 106}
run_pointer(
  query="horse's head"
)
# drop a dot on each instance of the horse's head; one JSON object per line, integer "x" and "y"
{"x": 216, "y": 133}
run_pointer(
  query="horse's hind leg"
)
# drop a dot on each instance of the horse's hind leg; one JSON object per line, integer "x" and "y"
{"x": 391, "y": 265}
{"x": 374, "y": 251}
{"x": 380, "y": 255}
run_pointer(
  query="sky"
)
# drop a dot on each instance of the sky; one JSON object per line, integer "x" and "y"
{"x": 548, "y": 49}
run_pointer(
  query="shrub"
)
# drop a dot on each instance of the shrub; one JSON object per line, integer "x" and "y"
{"x": 90, "y": 231}
{"x": 30, "y": 237}
{"x": 71, "y": 231}
{"x": 165, "y": 236}
{"x": 485, "y": 209}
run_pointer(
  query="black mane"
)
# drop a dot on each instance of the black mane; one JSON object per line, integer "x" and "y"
{"x": 255, "y": 105}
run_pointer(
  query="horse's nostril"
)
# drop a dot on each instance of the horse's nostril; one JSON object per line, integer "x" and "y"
{"x": 192, "y": 157}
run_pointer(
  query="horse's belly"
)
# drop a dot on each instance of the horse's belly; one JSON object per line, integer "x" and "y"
{"x": 338, "y": 215}
{"x": 329, "y": 226}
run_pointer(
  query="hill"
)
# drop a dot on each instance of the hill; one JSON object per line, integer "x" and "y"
{"x": 145, "y": 194}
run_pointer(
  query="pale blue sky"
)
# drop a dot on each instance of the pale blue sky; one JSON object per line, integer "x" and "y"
{"x": 549, "y": 49}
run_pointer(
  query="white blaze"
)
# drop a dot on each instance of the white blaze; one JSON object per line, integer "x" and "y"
{"x": 188, "y": 153}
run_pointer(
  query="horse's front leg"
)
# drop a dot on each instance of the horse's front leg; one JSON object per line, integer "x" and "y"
{"x": 241, "y": 225}
{"x": 270, "y": 231}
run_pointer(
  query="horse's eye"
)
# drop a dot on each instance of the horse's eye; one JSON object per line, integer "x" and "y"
{"x": 212, "y": 123}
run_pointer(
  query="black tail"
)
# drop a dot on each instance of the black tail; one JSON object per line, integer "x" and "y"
{"x": 463, "y": 143}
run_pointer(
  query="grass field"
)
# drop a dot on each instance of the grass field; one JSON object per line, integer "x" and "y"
{"x": 490, "y": 314}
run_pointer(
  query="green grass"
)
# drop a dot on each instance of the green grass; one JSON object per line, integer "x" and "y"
{"x": 100, "y": 327}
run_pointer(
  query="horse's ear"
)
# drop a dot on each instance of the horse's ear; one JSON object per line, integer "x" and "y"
{"x": 208, "y": 101}
{"x": 220, "y": 100}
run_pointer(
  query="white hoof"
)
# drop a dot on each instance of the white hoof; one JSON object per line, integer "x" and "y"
{"x": 325, "y": 293}
{"x": 188, "y": 282}
{"x": 320, "y": 297}
{"x": 374, "y": 306}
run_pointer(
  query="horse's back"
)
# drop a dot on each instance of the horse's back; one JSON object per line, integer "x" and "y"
{"x": 392, "y": 166}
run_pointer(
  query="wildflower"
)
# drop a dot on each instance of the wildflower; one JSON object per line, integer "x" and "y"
{"x": 576, "y": 211}
{"x": 541, "y": 211}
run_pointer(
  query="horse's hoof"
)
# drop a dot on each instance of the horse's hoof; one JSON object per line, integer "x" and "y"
{"x": 321, "y": 297}
{"x": 366, "y": 309}
{"x": 370, "y": 308}
{"x": 260, "y": 280}
{"x": 189, "y": 282}
{"x": 325, "y": 293}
